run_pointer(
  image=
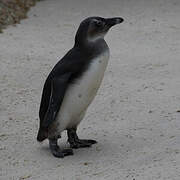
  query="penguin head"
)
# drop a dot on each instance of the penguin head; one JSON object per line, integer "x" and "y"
{"x": 94, "y": 28}
{"x": 98, "y": 27}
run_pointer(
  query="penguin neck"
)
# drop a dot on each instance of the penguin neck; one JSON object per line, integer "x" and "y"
{"x": 83, "y": 40}
{"x": 92, "y": 48}
{"x": 80, "y": 38}
{"x": 90, "y": 43}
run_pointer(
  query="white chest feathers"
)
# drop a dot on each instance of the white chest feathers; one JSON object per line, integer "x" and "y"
{"x": 80, "y": 94}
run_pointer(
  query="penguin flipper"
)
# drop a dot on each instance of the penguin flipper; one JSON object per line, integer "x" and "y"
{"x": 58, "y": 88}
{"x": 45, "y": 100}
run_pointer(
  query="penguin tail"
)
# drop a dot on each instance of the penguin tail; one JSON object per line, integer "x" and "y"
{"x": 42, "y": 135}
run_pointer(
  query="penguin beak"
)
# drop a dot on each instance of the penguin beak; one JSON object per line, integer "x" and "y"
{"x": 113, "y": 21}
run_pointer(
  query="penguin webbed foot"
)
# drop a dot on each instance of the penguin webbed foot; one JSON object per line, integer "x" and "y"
{"x": 56, "y": 151}
{"x": 81, "y": 143}
{"x": 76, "y": 143}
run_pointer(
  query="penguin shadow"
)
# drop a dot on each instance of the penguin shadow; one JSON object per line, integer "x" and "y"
{"x": 43, "y": 148}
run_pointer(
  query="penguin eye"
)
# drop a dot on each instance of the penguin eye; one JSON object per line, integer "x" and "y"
{"x": 98, "y": 23}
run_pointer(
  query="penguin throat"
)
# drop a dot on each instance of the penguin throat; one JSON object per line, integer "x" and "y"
{"x": 82, "y": 38}
{"x": 95, "y": 37}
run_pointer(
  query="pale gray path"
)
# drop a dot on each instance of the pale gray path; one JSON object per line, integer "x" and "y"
{"x": 134, "y": 116}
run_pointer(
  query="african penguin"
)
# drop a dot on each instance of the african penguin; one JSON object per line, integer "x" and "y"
{"x": 73, "y": 83}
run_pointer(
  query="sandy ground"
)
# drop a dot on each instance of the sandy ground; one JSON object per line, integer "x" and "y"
{"x": 135, "y": 115}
